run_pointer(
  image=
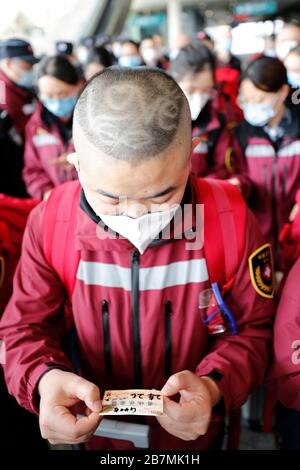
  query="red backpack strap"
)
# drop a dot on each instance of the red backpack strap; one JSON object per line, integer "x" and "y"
{"x": 224, "y": 228}
{"x": 59, "y": 225}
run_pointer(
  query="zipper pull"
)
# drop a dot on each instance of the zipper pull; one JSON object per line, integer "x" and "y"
{"x": 135, "y": 256}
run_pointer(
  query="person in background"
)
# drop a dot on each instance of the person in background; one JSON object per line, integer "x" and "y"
{"x": 21, "y": 427}
{"x": 49, "y": 131}
{"x": 206, "y": 40}
{"x": 223, "y": 44}
{"x": 66, "y": 49}
{"x": 152, "y": 55}
{"x": 99, "y": 58}
{"x": 287, "y": 39}
{"x": 270, "y": 139}
{"x": 116, "y": 46}
{"x": 292, "y": 64}
{"x": 218, "y": 152}
{"x": 285, "y": 373}
{"x": 83, "y": 49}
{"x": 102, "y": 40}
{"x": 270, "y": 47}
{"x": 181, "y": 41}
{"x": 17, "y": 102}
{"x": 130, "y": 54}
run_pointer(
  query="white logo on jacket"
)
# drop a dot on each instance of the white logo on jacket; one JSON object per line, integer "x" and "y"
{"x": 296, "y": 353}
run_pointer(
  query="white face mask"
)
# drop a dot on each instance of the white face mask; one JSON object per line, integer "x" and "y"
{"x": 197, "y": 101}
{"x": 142, "y": 230}
{"x": 258, "y": 114}
{"x": 150, "y": 55}
{"x": 283, "y": 48}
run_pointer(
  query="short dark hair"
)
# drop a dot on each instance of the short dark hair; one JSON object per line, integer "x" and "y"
{"x": 131, "y": 114}
{"x": 266, "y": 73}
{"x": 131, "y": 41}
{"x": 59, "y": 67}
{"x": 100, "y": 55}
{"x": 193, "y": 58}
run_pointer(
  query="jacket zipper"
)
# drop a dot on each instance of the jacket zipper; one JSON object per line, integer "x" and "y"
{"x": 168, "y": 342}
{"x": 106, "y": 336}
{"x": 137, "y": 359}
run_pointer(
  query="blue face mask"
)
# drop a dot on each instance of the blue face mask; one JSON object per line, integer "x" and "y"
{"x": 130, "y": 61}
{"x": 270, "y": 53}
{"x": 26, "y": 80}
{"x": 60, "y": 107}
{"x": 294, "y": 79}
{"x": 258, "y": 114}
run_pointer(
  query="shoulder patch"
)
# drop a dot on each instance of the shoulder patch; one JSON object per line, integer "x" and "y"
{"x": 2, "y": 271}
{"x": 261, "y": 271}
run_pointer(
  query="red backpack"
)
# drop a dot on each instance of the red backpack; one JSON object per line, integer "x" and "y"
{"x": 13, "y": 217}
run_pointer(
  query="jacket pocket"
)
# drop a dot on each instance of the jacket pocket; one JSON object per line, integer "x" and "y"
{"x": 168, "y": 339}
{"x": 106, "y": 337}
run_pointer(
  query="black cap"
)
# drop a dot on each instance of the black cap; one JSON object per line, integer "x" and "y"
{"x": 88, "y": 41}
{"x": 17, "y": 49}
{"x": 64, "y": 47}
{"x": 102, "y": 39}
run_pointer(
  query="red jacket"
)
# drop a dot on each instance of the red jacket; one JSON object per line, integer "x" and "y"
{"x": 18, "y": 102}
{"x": 47, "y": 138}
{"x": 286, "y": 369}
{"x": 13, "y": 217}
{"x": 274, "y": 172}
{"x": 218, "y": 154}
{"x": 136, "y": 293}
{"x": 289, "y": 240}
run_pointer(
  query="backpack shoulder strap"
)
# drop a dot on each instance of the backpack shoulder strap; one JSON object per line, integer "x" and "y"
{"x": 224, "y": 228}
{"x": 59, "y": 225}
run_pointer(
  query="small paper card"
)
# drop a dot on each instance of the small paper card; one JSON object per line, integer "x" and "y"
{"x": 132, "y": 402}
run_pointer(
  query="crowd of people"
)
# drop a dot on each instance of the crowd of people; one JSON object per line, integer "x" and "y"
{"x": 238, "y": 122}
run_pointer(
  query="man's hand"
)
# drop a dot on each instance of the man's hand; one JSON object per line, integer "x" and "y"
{"x": 60, "y": 392}
{"x": 190, "y": 418}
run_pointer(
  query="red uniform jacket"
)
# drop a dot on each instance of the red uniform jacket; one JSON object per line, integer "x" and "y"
{"x": 274, "y": 171}
{"x": 121, "y": 303}
{"x": 286, "y": 370}
{"x": 17, "y": 101}
{"x": 47, "y": 138}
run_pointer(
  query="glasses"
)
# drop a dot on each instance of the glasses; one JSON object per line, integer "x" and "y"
{"x": 214, "y": 312}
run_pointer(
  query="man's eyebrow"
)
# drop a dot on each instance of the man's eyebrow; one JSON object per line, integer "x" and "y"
{"x": 113, "y": 196}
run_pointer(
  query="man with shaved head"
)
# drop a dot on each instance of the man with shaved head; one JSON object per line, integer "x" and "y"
{"x": 125, "y": 247}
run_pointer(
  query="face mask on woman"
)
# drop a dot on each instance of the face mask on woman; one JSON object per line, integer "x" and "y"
{"x": 60, "y": 107}
{"x": 258, "y": 114}
{"x": 130, "y": 61}
{"x": 294, "y": 79}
